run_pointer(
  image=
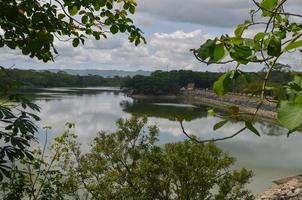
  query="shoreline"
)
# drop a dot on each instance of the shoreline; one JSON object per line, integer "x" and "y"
{"x": 163, "y": 97}
{"x": 246, "y": 104}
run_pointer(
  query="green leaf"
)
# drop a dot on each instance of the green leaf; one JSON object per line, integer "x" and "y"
{"x": 132, "y": 9}
{"x": 250, "y": 126}
{"x": 222, "y": 85}
{"x": 61, "y": 16}
{"x": 239, "y": 30}
{"x": 75, "y": 42}
{"x": 236, "y": 41}
{"x": 241, "y": 54}
{"x": 274, "y": 46}
{"x": 206, "y": 50}
{"x": 73, "y": 10}
{"x": 268, "y": 5}
{"x": 290, "y": 114}
{"x": 220, "y": 124}
{"x": 258, "y": 39}
{"x": 259, "y": 36}
{"x": 114, "y": 29}
{"x": 219, "y": 53}
{"x": 85, "y": 19}
{"x": 293, "y": 45}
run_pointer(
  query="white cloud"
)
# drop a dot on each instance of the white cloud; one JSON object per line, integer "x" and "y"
{"x": 163, "y": 50}
{"x": 172, "y": 29}
{"x": 218, "y": 13}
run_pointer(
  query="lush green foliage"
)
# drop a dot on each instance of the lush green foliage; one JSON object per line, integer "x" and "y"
{"x": 127, "y": 164}
{"x": 33, "y": 26}
{"x": 16, "y": 119}
{"x": 163, "y": 83}
{"x": 280, "y": 34}
{"x": 31, "y": 78}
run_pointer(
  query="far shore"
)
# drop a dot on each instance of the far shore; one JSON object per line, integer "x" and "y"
{"x": 246, "y": 104}
{"x": 142, "y": 97}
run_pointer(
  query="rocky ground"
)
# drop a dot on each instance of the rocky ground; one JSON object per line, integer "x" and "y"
{"x": 291, "y": 190}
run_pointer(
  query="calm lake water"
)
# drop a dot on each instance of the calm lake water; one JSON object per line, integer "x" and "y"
{"x": 271, "y": 157}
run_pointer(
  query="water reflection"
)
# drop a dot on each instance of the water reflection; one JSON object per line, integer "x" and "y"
{"x": 170, "y": 111}
{"x": 272, "y": 156}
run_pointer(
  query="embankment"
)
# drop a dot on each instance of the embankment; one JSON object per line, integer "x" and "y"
{"x": 247, "y": 104}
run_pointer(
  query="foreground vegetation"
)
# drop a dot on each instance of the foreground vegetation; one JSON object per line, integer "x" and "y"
{"x": 271, "y": 33}
{"x": 126, "y": 164}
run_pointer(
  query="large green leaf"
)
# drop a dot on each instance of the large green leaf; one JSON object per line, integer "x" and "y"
{"x": 258, "y": 40}
{"x": 241, "y": 54}
{"x": 206, "y": 50}
{"x": 219, "y": 53}
{"x": 222, "y": 85}
{"x": 290, "y": 114}
{"x": 293, "y": 45}
{"x": 268, "y": 5}
{"x": 274, "y": 46}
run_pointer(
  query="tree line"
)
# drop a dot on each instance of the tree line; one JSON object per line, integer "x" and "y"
{"x": 32, "y": 78}
{"x": 164, "y": 82}
{"x": 158, "y": 83}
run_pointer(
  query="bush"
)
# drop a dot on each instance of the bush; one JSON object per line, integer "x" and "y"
{"x": 128, "y": 164}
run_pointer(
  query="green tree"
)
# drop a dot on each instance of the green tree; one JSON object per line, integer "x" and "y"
{"x": 33, "y": 26}
{"x": 280, "y": 35}
{"x": 126, "y": 164}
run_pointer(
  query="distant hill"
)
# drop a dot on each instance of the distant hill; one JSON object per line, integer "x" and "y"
{"x": 103, "y": 73}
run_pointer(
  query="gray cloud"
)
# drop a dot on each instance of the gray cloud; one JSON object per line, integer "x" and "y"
{"x": 218, "y": 13}
{"x": 222, "y": 13}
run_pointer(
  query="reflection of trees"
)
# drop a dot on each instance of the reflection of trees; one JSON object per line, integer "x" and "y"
{"x": 59, "y": 93}
{"x": 163, "y": 111}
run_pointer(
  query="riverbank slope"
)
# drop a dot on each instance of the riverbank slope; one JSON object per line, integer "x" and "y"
{"x": 246, "y": 104}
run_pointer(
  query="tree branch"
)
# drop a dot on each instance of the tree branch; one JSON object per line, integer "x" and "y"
{"x": 210, "y": 140}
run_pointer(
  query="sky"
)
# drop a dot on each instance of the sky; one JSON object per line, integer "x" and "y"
{"x": 171, "y": 27}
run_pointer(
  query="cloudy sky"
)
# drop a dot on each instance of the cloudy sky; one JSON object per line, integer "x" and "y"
{"x": 172, "y": 28}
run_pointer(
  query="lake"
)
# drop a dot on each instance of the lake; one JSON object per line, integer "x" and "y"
{"x": 271, "y": 157}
